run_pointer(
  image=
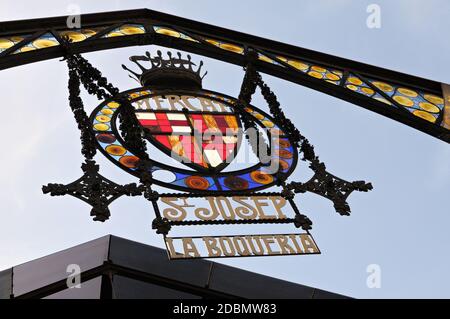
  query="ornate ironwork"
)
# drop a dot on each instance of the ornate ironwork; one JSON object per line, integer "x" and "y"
{"x": 99, "y": 192}
{"x": 162, "y": 225}
{"x": 248, "y": 88}
{"x": 172, "y": 72}
{"x": 322, "y": 183}
{"x": 322, "y": 72}
{"x": 331, "y": 187}
{"x": 94, "y": 189}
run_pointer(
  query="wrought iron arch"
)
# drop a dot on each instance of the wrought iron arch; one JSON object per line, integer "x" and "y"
{"x": 419, "y": 103}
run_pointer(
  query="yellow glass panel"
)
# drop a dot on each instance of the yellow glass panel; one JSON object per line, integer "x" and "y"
{"x": 403, "y": 101}
{"x": 115, "y": 34}
{"x": 354, "y": 80}
{"x": 213, "y": 42}
{"x": 44, "y": 43}
{"x": 115, "y": 150}
{"x": 232, "y": 48}
{"x": 107, "y": 111}
{"x": 6, "y": 43}
{"x": 259, "y": 116}
{"x": 103, "y": 118}
{"x": 368, "y": 91}
{"x": 434, "y": 99}
{"x": 226, "y": 46}
{"x": 382, "y": 99}
{"x": 425, "y": 115}
{"x": 16, "y": 39}
{"x": 318, "y": 69}
{"x": 101, "y": 127}
{"x": 383, "y": 86}
{"x": 265, "y": 59}
{"x": 408, "y": 92}
{"x": 168, "y": 32}
{"x": 113, "y": 105}
{"x": 315, "y": 74}
{"x": 352, "y": 87}
{"x": 128, "y": 30}
{"x": 268, "y": 124}
{"x": 89, "y": 33}
{"x": 74, "y": 36}
{"x": 26, "y": 49}
{"x": 429, "y": 107}
{"x": 332, "y": 77}
{"x": 298, "y": 65}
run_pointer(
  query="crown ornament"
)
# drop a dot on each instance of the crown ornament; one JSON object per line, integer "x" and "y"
{"x": 174, "y": 72}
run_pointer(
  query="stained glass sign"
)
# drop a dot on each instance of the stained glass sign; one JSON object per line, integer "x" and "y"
{"x": 201, "y": 129}
{"x": 173, "y": 134}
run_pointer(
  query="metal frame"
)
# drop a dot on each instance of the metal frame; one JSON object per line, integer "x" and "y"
{"x": 231, "y": 236}
{"x": 197, "y": 30}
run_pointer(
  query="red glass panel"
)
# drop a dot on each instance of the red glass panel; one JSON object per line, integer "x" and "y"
{"x": 210, "y": 150}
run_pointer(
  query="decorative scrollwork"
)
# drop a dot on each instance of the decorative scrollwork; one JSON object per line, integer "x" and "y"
{"x": 253, "y": 135}
{"x": 162, "y": 225}
{"x": 323, "y": 183}
{"x": 329, "y": 186}
{"x": 94, "y": 189}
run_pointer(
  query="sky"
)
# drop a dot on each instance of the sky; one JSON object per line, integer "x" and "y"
{"x": 401, "y": 226}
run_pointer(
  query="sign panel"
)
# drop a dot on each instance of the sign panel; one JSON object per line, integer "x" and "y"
{"x": 236, "y": 208}
{"x": 241, "y": 246}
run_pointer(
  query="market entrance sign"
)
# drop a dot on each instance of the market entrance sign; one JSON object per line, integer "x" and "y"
{"x": 236, "y": 208}
{"x": 171, "y": 133}
{"x": 241, "y": 246}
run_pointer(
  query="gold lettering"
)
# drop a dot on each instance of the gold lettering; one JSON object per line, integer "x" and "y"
{"x": 185, "y": 99}
{"x": 268, "y": 240}
{"x": 244, "y": 210}
{"x": 190, "y": 248}
{"x": 211, "y": 246}
{"x": 207, "y": 105}
{"x": 283, "y": 243}
{"x": 241, "y": 246}
{"x": 172, "y": 252}
{"x": 261, "y": 202}
{"x": 177, "y": 212}
{"x": 253, "y": 248}
{"x": 244, "y": 250}
{"x": 227, "y": 252}
{"x": 173, "y": 99}
{"x": 308, "y": 244}
{"x": 206, "y": 214}
{"x": 222, "y": 211}
{"x": 158, "y": 100}
{"x": 212, "y": 204}
{"x": 143, "y": 104}
{"x": 222, "y": 107}
{"x": 278, "y": 202}
{"x": 297, "y": 246}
